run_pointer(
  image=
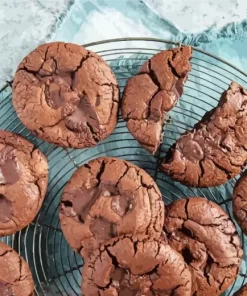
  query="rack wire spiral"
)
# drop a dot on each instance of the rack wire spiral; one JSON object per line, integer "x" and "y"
{"x": 55, "y": 267}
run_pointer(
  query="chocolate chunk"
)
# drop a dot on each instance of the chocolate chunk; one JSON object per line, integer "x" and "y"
{"x": 153, "y": 92}
{"x": 239, "y": 202}
{"x": 129, "y": 292}
{"x": 6, "y": 209}
{"x": 23, "y": 182}
{"x": 9, "y": 169}
{"x": 5, "y": 290}
{"x": 102, "y": 229}
{"x": 121, "y": 204}
{"x": 137, "y": 267}
{"x": 108, "y": 197}
{"x": 117, "y": 277}
{"x": 66, "y": 95}
{"x": 55, "y": 87}
{"x": 82, "y": 202}
{"x": 192, "y": 150}
{"x": 215, "y": 151}
{"x": 83, "y": 117}
{"x": 15, "y": 276}
{"x": 208, "y": 241}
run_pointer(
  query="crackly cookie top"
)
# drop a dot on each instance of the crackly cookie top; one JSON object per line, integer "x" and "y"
{"x": 109, "y": 197}
{"x": 153, "y": 92}
{"x": 207, "y": 238}
{"x": 66, "y": 95}
{"x": 239, "y": 202}
{"x": 126, "y": 266}
{"x": 15, "y": 276}
{"x": 23, "y": 182}
{"x": 216, "y": 149}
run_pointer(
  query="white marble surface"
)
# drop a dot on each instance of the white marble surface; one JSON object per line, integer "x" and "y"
{"x": 196, "y": 16}
{"x": 24, "y": 24}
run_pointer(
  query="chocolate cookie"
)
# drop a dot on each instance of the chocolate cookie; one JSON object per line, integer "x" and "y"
{"x": 242, "y": 291}
{"x": 66, "y": 95}
{"x": 108, "y": 197}
{"x": 153, "y": 92}
{"x": 239, "y": 202}
{"x": 23, "y": 182}
{"x": 216, "y": 149}
{"x": 126, "y": 266}
{"x": 206, "y": 237}
{"x": 15, "y": 276}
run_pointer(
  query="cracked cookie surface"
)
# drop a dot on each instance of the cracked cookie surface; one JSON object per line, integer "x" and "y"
{"x": 206, "y": 237}
{"x": 66, "y": 95}
{"x": 23, "y": 182}
{"x": 15, "y": 275}
{"x": 153, "y": 92}
{"x": 242, "y": 291}
{"x": 239, "y": 202}
{"x": 126, "y": 266}
{"x": 109, "y": 197}
{"x": 216, "y": 149}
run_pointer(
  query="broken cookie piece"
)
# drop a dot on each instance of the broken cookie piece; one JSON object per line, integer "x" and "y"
{"x": 66, "y": 95}
{"x": 126, "y": 266}
{"x": 207, "y": 239}
{"x": 109, "y": 197}
{"x": 239, "y": 202}
{"x": 23, "y": 182}
{"x": 153, "y": 92}
{"x": 215, "y": 151}
{"x": 15, "y": 275}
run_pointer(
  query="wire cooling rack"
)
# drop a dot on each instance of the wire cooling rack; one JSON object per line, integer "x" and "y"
{"x": 55, "y": 267}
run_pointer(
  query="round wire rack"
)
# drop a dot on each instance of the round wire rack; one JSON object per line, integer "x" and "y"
{"x": 55, "y": 267}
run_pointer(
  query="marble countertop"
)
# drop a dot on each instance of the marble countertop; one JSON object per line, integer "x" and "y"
{"x": 217, "y": 26}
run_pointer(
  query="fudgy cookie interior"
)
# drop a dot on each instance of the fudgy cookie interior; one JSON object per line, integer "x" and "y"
{"x": 109, "y": 197}
{"x": 121, "y": 203}
{"x": 153, "y": 92}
